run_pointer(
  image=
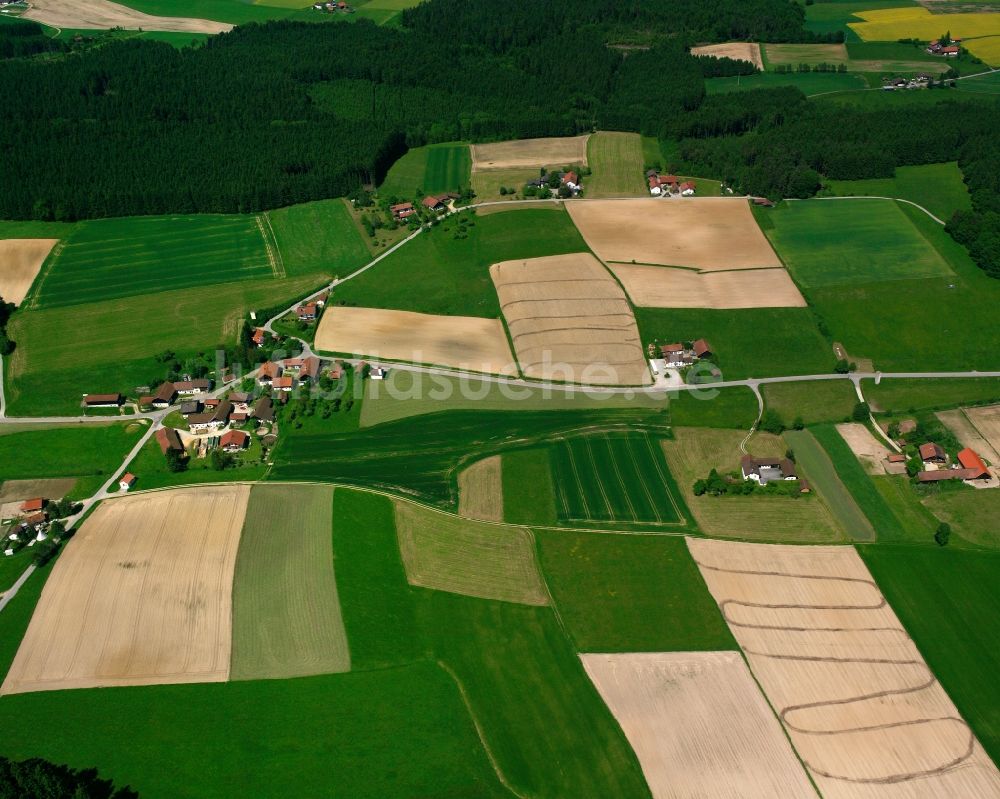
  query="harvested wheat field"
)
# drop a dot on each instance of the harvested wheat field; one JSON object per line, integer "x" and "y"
{"x": 463, "y": 342}
{"x": 699, "y": 725}
{"x": 526, "y": 153}
{"x": 20, "y": 260}
{"x": 968, "y": 434}
{"x": 987, "y": 422}
{"x": 701, "y": 233}
{"x": 141, "y": 596}
{"x": 868, "y": 449}
{"x": 740, "y": 51}
{"x": 50, "y": 488}
{"x": 863, "y": 710}
{"x": 570, "y": 320}
{"x": 461, "y": 556}
{"x": 666, "y": 287}
{"x": 102, "y": 15}
{"x": 480, "y": 490}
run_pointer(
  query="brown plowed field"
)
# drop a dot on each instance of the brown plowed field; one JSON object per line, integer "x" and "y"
{"x": 480, "y": 490}
{"x": 740, "y": 51}
{"x": 141, "y": 596}
{"x": 664, "y": 287}
{"x": 102, "y": 15}
{"x": 20, "y": 260}
{"x": 701, "y": 233}
{"x": 699, "y": 725}
{"x": 526, "y": 153}
{"x": 569, "y": 320}
{"x": 463, "y": 342}
{"x": 863, "y": 710}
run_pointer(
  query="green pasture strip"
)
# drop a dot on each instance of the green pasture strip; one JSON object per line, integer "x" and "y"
{"x": 109, "y": 258}
{"x": 908, "y": 395}
{"x": 449, "y": 167}
{"x": 312, "y": 736}
{"x": 615, "y": 478}
{"x": 982, "y": 84}
{"x": 752, "y": 342}
{"x": 808, "y": 83}
{"x": 529, "y": 494}
{"x": 113, "y": 343}
{"x": 404, "y": 394}
{"x": 377, "y": 603}
{"x": 849, "y": 242}
{"x": 30, "y": 229}
{"x": 286, "y": 613}
{"x": 318, "y": 238}
{"x": 949, "y": 602}
{"x": 861, "y": 486}
{"x": 939, "y": 188}
{"x": 822, "y": 475}
{"x": 888, "y": 321}
{"x": 622, "y": 593}
{"x": 547, "y": 727}
{"x": 236, "y": 12}
{"x": 918, "y": 522}
{"x": 812, "y": 54}
{"x": 651, "y": 153}
{"x": 726, "y": 407}
{"x": 616, "y": 161}
{"x": 441, "y": 274}
{"x": 391, "y": 457}
{"x": 974, "y": 515}
{"x": 812, "y": 402}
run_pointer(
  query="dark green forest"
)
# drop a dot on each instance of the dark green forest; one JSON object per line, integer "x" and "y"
{"x": 39, "y": 779}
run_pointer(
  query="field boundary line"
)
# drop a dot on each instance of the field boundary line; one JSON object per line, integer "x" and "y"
{"x": 273, "y": 254}
{"x": 49, "y": 263}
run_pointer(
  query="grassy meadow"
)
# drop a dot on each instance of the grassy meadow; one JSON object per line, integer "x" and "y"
{"x": 616, "y": 161}
{"x": 317, "y": 238}
{"x": 973, "y": 515}
{"x": 728, "y": 407}
{"x": 529, "y": 492}
{"x": 904, "y": 395}
{"x": 812, "y": 402}
{"x": 431, "y": 169}
{"x": 440, "y": 273}
{"x": 105, "y": 259}
{"x": 236, "y": 12}
{"x": 939, "y": 188}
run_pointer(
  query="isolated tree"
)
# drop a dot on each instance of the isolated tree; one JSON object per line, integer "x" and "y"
{"x": 943, "y": 534}
{"x": 799, "y": 423}
{"x": 771, "y": 422}
{"x": 861, "y": 412}
{"x": 176, "y": 461}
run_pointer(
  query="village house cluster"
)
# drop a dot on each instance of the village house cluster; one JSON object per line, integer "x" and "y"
{"x": 947, "y": 49}
{"x": 667, "y": 185}
{"x": 678, "y": 354}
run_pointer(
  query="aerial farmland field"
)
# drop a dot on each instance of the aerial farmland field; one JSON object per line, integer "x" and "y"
{"x": 616, "y": 161}
{"x": 937, "y": 187}
{"x": 156, "y": 253}
{"x": 431, "y": 169}
{"x": 20, "y": 261}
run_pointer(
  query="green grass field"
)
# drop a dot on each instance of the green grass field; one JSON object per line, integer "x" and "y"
{"x": 614, "y": 478}
{"x": 908, "y": 395}
{"x": 236, "y": 12}
{"x": 817, "y": 466}
{"x": 438, "y": 273}
{"x": 795, "y": 54}
{"x": 848, "y": 242}
{"x": 918, "y": 522}
{"x": 937, "y": 187}
{"x": 949, "y": 602}
{"x": 727, "y": 407}
{"x": 430, "y": 169}
{"x": 104, "y": 259}
{"x": 830, "y": 17}
{"x": 286, "y": 612}
{"x": 794, "y": 343}
{"x": 622, "y": 593}
{"x": 318, "y": 238}
{"x": 983, "y": 84}
{"x": 820, "y": 401}
{"x": 89, "y": 452}
{"x": 115, "y": 341}
{"x": 529, "y": 493}
{"x": 406, "y": 394}
{"x": 616, "y": 161}
{"x": 973, "y": 515}
{"x": 150, "y": 466}
{"x": 809, "y": 83}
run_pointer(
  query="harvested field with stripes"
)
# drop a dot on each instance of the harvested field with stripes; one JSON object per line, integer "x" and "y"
{"x": 739, "y": 51}
{"x": 141, "y": 596}
{"x": 286, "y": 611}
{"x": 480, "y": 490}
{"x": 960, "y": 423}
{"x": 20, "y": 260}
{"x": 614, "y": 477}
{"x": 699, "y": 725}
{"x": 863, "y": 710}
{"x": 664, "y": 287}
{"x": 701, "y": 233}
{"x": 464, "y": 342}
{"x": 570, "y": 320}
{"x": 527, "y": 153}
{"x": 462, "y": 556}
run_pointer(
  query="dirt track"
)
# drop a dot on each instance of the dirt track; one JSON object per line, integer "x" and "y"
{"x": 102, "y": 15}
{"x": 141, "y": 596}
{"x": 701, "y": 233}
{"x": 869, "y": 450}
{"x": 20, "y": 260}
{"x": 863, "y": 710}
{"x": 666, "y": 287}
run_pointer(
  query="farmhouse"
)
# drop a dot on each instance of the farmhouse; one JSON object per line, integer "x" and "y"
{"x": 402, "y": 210}
{"x": 702, "y": 349}
{"x": 214, "y": 420}
{"x": 336, "y": 372}
{"x": 263, "y": 409}
{"x": 102, "y": 400}
{"x": 932, "y": 453}
{"x": 212, "y": 404}
{"x": 377, "y": 373}
{"x": 571, "y": 180}
{"x": 268, "y": 372}
{"x": 677, "y": 355}
{"x": 127, "y": 481}
{"x": 687, "y": 188}
{"x": 234, "y": 441}
{"x": 33, "y": 505}
{"x": 307, "y": 312}
{"x": 309, "y": 370}
{"x": 191, "y": 387}
{"x": 169, "y": 440}
{"x": 258, "y": 337}
{"x": 765, "y": 470}
{"x": 164, "y": 396}
{"x": 282, "y": 384}
{"x": 189, "y": 407}
{"x": 433, "y": 203}
{"x": 661, "y": 184}
{"x": 972, "y": 463}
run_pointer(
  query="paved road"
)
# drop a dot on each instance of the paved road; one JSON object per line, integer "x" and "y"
{"x": 10, "y": 593}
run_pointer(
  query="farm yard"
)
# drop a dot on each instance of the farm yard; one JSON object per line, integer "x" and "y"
{"x": 699, "y": 724}
{"x": 20, "y": 262}
{"x": 857, "y": 699}
{"x": 157, "y": 253}
{"x": 525, "y": 153}
{"x": 614, "y": 478}
{"x": 667, "y": 287}
{"x": 465, "y": 342}
{"x": 569, "y": 320}
{"x": 701, "y": 233}
{"x": 616, "y": 162}
{"x": 124, "y": 608}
